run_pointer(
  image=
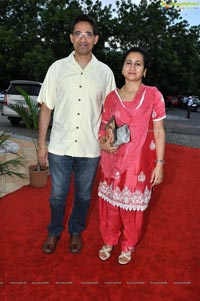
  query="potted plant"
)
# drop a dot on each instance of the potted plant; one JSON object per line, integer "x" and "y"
{"x": 29, "y": 114}
{"x": 9, "y": 167}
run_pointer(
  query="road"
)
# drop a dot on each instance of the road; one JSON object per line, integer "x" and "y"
{"x": 177, "y": 123}
{"x": 179, "y": 130}
{"x": 182, "y": 131}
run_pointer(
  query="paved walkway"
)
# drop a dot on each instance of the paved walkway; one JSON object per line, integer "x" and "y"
{"x": 182, "y": 131}
{"x": 28, "y": 152}
{"x": 179, "y": 131}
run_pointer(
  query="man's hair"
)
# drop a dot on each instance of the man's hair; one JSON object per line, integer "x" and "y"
{"x": 85, "y": 18}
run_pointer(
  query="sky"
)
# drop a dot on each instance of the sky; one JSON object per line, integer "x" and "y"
{"x": 190, "y": 10}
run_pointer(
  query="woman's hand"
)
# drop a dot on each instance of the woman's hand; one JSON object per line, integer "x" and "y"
{"x": 157, "y": 175}
{"x": 105, "y": 144}
{"x": 109, "y": 134}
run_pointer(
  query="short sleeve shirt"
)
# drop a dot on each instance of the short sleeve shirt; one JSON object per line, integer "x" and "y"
{"x": 76, "y": 95}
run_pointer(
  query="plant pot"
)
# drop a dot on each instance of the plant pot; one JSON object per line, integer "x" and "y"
{"x": 38, "y": 178}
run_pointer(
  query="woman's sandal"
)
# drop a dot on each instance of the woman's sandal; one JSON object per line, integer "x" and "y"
{"x": 105, "y": 252}
{"x": 124, "y": 258}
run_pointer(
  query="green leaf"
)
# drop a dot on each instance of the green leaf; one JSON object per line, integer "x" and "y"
{"x": 29, "y": 115}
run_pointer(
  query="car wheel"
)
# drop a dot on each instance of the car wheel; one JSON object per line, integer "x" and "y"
{"x": 198, "y": 109}
{"x": 14, "y": 120}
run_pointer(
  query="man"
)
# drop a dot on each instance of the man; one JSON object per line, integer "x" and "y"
{"x": 189, "y": 104}
{"x": 75, "y": 88}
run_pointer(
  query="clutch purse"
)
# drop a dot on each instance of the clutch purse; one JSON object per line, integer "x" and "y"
{"x": 121, "y": 134}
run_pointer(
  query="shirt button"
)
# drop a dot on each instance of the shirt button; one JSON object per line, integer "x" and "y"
{"x": 79, "y": 99}
{"x": 81, "y": 73}
{"x": 77, "y": 127}
{"x": 80, "y": 86}
{"x": 78, "y": 113}
{"x": 76, "y": 140}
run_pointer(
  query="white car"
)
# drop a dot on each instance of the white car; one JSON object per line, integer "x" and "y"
{"x": 13, "y": 96}
{"x": 2, "y": 97}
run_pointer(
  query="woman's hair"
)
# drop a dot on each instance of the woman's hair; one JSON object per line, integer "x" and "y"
{"x": 142, "y": 51}
{"x": 85, "y": 18}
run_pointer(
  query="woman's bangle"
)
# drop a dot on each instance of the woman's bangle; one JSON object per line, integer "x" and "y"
{"x": 160, "y": 161}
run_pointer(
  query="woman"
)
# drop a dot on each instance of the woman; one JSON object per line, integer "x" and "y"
{"x": 131, "y": 170}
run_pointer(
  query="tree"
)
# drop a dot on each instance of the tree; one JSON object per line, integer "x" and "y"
{"x": 34, "y": 33}
{"x": 167, "y": 37}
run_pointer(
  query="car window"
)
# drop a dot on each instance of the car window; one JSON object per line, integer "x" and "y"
{"x": 30, "y": 89}
{"x": 196, "y": 100}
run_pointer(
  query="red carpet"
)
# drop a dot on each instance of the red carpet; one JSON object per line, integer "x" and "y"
{"x": 165, "y": 265}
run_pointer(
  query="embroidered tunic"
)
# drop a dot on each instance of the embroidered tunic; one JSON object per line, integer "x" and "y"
{"x": 126, "y": 174}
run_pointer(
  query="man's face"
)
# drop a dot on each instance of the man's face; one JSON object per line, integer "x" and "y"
{"x": 83, "y": 38}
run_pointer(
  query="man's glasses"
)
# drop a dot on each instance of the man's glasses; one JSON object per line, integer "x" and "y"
{"x": 79, "y": 34}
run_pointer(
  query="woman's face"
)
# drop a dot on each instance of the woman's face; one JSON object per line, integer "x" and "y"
{"x": 133, "y": 68}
